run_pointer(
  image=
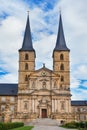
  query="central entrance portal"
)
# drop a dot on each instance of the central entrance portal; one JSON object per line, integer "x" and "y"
{"x": 44, "y": 113}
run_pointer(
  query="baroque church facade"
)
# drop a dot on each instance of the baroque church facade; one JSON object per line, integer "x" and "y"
{"x": 42, "y": 93}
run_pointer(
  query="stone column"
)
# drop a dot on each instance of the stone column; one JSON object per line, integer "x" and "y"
{"x": 33, "y": 104}
{"x": 55, "y": 105}
{"x": 29, "y": 105}
{"x": 52, "y": 105}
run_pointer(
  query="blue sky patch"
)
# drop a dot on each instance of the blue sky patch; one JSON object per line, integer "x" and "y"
{"x": 3, "y": 72}
{"x": 4, "y": 15}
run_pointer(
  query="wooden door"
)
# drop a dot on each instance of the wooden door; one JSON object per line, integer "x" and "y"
{"x": 44, "y": 113}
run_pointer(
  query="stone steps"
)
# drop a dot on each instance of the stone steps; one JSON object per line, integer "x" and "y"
{"x": 44, "y": 122}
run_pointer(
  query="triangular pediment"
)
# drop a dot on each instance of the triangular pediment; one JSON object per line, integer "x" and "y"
{"x": 44, "y": 72}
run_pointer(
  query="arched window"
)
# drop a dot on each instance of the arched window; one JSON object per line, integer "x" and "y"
{"x": 61, "y": 57}
{"x": 26, "y": 66}
{"x": 62, "y": 67}
{"x": 26, "y": 78}
{"x": 26, "y": 56}
{"x": 62, "y": 78}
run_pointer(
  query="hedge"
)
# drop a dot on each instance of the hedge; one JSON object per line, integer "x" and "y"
{"x": 75, "y": 125}
{"x": 7, "y": 126}
{"x": 2, "y": 126}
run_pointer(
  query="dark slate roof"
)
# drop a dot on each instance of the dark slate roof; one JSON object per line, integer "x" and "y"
{"x": 79, "y": 103}
{"x": 27, "y": 42}
{"x": 60, "y": 43}
{"x": 8, "y": 89}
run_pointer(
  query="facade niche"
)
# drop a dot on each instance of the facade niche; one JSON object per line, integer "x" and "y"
{"x": 33, "y": 85}
{"x": 62, "y": 105}
{"x": 25, "y": 105}
{"x": 43, "y": 84}
{"x": 55, "y": 84}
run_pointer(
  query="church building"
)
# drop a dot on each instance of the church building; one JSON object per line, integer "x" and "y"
{"x": 41, "y": 93}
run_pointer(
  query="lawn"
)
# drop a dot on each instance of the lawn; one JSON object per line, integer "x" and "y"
{"x": 23, "y": 128}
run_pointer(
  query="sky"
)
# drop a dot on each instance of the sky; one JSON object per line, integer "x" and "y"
{"x": 44, "y": 21}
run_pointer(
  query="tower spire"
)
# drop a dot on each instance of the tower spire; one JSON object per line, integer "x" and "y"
{"x": 60, "y": 43}
{"x": 27, "y": 41}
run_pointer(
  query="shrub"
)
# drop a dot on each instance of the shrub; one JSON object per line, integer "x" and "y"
{"x": 2, "y": 126}
{"x": 75, "y": 125}
{"x": 70, "y": 125}
{"x": 13, "y": 125}
{"x": 7, "y": 126}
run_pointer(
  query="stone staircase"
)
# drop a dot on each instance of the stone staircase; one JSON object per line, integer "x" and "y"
{"x": 43, "y": 122}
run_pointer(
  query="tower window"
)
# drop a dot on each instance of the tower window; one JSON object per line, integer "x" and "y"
{"x": 62, "y": 67}
{"x": 26, "y": 56}
{"x": 61, "y": 57}
{"x": 26, "y": 66}
{"x": 62, "y": 78}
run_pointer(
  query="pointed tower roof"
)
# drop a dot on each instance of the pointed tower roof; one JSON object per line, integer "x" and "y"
{"x": 60, "y": 43}
{"x": 27, "y": 42}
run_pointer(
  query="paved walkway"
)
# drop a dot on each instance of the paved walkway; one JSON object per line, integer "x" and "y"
{"x": 46, "y": 124}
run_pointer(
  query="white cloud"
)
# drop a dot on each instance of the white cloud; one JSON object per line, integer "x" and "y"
{"x": 74, "y": 83}
{"x": 79, "y": 94}
{"x": 80, "y": 71}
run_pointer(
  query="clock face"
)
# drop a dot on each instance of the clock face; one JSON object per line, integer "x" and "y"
{"x": 43, "y": 73}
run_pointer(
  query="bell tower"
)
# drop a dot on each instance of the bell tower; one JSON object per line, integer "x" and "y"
{"x": 61, "y": 58}
{"x": 26, "y": 57}
{"x": 61, "y": 66}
